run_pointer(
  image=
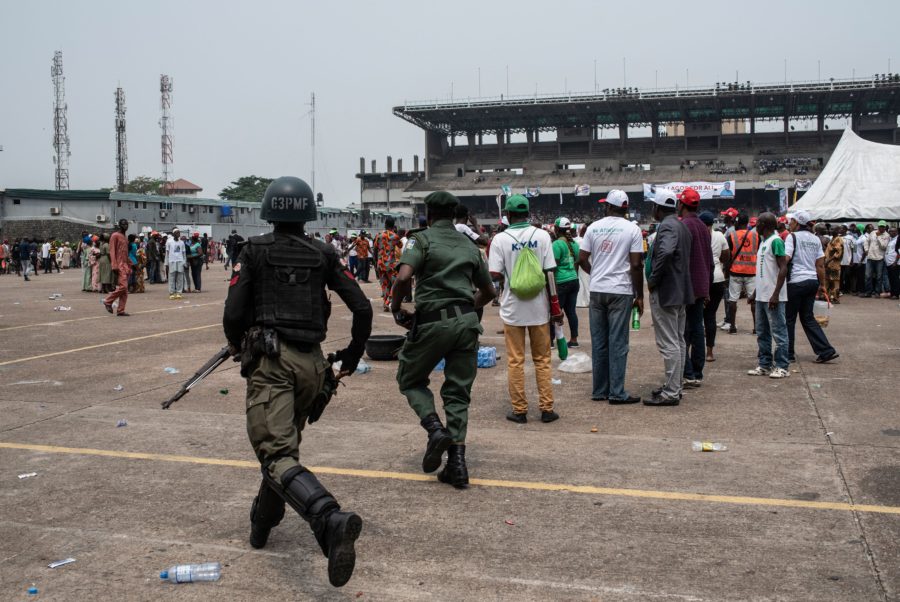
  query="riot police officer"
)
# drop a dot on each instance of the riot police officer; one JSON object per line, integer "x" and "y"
{"x": 276, "y": 315}
{"x": 448, "y": 270}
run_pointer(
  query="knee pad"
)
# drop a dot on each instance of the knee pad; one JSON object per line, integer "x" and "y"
{"x": 305, "y": 494}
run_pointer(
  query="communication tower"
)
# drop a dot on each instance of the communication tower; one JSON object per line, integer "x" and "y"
{"x": 61, "y": 151}
{"x": 166, "y": 124}
{"x": 121, "y": 146}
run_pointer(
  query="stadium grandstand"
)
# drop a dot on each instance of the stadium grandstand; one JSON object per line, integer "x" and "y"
{"x": 753, "y": 143}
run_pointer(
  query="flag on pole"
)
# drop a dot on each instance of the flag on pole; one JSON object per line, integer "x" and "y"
{"x": 560, "y": 196}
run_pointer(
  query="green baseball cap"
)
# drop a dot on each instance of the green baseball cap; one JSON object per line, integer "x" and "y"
{"x": 516, "y": 204}
{"x": 882, "y": 224}
{"x": 441, "y": 198}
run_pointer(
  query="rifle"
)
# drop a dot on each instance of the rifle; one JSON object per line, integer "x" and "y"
{"x": 217, "y": 360}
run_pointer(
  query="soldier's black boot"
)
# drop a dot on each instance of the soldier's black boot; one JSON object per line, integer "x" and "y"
{"x": 439, "y": 440}
{"x": 455, "y": 472}
{"x": 265, "y": 514}
{"x": 335, "y": 531}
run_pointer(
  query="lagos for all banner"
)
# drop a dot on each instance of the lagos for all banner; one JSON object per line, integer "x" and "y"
{"x": 582, "y": 190}
{"x": 707, "y": 190}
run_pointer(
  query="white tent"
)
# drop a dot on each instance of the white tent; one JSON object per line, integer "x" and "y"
{"x": 860, "y": 182}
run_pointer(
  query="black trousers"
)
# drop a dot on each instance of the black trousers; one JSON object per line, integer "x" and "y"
{"x": 801, "y": 299}
{"x": 695, "y": 354}
{"x": 894, "y": 278}
{"x": 716, "y": 292}
{"x": 568, "y": 296}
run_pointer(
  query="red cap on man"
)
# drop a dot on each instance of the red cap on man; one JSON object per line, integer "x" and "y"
{"x": 689, "y": 198}
{"x": 730, "y": 212}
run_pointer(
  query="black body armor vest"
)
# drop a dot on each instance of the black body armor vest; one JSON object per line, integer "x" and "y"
{"x": 289, "y": 287}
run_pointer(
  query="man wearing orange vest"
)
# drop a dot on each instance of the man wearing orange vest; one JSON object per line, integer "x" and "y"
{"x": 743, "y": 243}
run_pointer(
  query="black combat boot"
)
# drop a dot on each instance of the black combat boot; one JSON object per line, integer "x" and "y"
{"x": 335, "y": 531}
{"x": 265, "y": 514}
{"x": 455, "y": 472}
{"x": 439, "y": 440}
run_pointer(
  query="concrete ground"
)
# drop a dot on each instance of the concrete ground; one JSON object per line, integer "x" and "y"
{"x": 804, "y": 505}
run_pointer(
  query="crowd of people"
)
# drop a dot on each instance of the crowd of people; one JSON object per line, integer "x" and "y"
{"x": 691, "y": 261}
{"x": 151, "y": 257}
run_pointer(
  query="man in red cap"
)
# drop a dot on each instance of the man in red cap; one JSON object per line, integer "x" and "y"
{"x": 728, "y": 217}
{"x": 701, "y": 278}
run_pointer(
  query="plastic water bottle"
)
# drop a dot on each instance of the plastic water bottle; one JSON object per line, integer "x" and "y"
{"x": 363, "y": 367}
{"x": 708, "y": 446}
{"x": 562, "y": 346}
{"x": 487, "y": 357}
{"x": 440, "y": 365}
{"x": 635, "y": 319}
{"x": 189, "y": 573}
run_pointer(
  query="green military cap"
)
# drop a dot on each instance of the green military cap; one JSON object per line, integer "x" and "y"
{"x": 516, "y": 204}
{"x": 441, "y": 198}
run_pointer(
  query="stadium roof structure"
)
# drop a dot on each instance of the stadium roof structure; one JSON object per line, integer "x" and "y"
{"x": 611, "y": 108}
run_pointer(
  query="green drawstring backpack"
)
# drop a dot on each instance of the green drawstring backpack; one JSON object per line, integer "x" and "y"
{"x": 528, "y": 278}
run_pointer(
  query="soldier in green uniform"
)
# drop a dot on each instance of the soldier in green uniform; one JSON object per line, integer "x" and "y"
{"x": 452, "y": 281}
{"x": 276, "y": 315}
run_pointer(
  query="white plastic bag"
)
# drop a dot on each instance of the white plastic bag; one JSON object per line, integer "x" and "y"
{"x": 577, "y": 363}
{"x": 822, "y": 313}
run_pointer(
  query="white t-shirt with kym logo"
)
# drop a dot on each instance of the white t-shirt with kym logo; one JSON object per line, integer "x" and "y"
{"x": 505, "y": 248}
{"x": 610, "y": 241}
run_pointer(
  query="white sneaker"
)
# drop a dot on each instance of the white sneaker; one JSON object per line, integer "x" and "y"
{"x": 721, "y": 324}
{"x": 779, "y": 373}
{"x": 759, "y": 371}
{"x": 725, "y": 326}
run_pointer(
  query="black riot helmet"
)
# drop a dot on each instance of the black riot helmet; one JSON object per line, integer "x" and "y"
{"x": 288, "y": 199}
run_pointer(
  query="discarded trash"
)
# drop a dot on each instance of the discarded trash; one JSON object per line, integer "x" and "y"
{"x": 223, "y": 391}
{"x": 816, "y": 385}
{"x": 577, "y": 363}
{"x": 510, "y": 523}
{"x": 708, "y": 446}
{"x": 189, "y": 573}
{"x": 118, "y": 388}
{"x": 187, "y": 302}
{"x": 487, "y": 357}
{"x": 171, "y": 370}
{"x": 593, "y": 429}
{"x": 121, "y": 422}
{"x": 17, "y": 303}
{"x": 55, "y": 383}
{"x": 440, "y": 365}
{"x": 27, "y": 475}
{"x": 62, "y": 308}
{"x": 829, "y": 433}
{"x": 32, "y": 591}
{"x": 55, "y": 296}
{"x": 363, "y": 367}
{"x": 59, "y": 563}
{"x": 556, "y": 381}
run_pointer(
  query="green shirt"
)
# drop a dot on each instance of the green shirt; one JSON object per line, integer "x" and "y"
{"x": 447, "y": 266}
{"x": 565, "y": 260}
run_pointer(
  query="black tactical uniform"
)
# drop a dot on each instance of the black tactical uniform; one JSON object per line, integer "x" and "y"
{"x": 276, "y": 314}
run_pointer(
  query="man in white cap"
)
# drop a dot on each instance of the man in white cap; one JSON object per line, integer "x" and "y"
{"x": 175, "y": 261}
{"x": 806, "y": 279}
{"x": 611, "y": 253}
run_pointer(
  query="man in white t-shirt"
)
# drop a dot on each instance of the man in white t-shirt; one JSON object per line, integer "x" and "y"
{"x": 176, "y": 263}
{"x": 611, "y": 253}
{"x": 463, "y": 222}
{"x": 806, "y": 261}
{"x": 521, "y": 316}
{"x": 770, "y": 298}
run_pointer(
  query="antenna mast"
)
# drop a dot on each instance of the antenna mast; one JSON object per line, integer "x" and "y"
{"x": 312, "y": 130}
{"x": 166, "y": 125}
{"x": 121, "y": 146}
{"x": 61, "y": 151}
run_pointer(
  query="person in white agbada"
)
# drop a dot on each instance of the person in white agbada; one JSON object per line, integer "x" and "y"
{"x": 175, "y": 260}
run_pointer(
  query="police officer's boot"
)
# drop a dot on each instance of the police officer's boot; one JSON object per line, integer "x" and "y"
{"x": 265, "y": 514}
{"x": 335, "y": 531}
{"x": 439, "y": 440}
{"x": 455, "y": 472}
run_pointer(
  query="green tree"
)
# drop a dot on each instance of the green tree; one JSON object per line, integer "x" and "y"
{"x": 144, "y": 185}
{"x": 248, "y": 188}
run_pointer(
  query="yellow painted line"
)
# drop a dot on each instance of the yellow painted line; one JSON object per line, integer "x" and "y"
{"x": 527, "y": 485}
{"x": 105, "y": 316}
{"x": 107, "y": 344}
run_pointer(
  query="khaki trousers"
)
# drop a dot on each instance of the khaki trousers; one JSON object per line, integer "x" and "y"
{"x": 515, "y": 362}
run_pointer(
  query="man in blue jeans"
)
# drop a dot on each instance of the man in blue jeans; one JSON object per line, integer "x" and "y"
{"x": 807, "y": 277}
{"x": 611, "y": 253}
{"x": 770, "y": 298}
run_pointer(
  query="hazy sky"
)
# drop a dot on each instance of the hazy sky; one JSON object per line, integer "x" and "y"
{"x": 243, "y": 72}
